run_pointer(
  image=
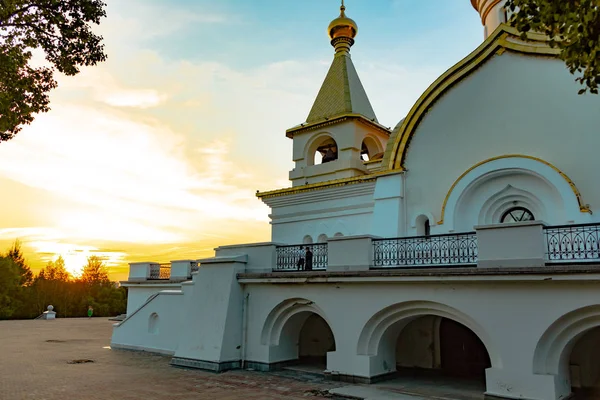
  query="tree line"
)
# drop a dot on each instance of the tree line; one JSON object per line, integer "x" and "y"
{"x": 25, "y": 295}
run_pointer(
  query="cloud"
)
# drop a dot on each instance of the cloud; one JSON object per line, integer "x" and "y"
{"x": 160, "y": 157}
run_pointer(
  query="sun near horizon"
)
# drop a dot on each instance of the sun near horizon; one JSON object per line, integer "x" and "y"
{"x": 156, "y": 154}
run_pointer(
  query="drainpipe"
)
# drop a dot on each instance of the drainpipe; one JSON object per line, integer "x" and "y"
{"x": 244, "y": 328}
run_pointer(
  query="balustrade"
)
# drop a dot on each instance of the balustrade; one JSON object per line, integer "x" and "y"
{"x": 160, "y": 272}
{"x": 293, "y": 258}
{"x": 426, "y": 251}
{"x": 572, "y": 243}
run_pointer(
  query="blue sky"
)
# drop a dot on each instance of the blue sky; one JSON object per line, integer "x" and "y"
{"x": 157, "y": 153}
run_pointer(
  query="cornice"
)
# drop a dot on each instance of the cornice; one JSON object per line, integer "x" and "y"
{"x": 324, "y": 185}
{"x": 306, "y": 127}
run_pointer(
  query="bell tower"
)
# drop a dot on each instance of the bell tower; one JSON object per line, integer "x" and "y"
{"x": 341, "y": 131}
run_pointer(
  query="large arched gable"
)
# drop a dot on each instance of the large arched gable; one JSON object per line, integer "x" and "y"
{"x": 569, "y": 196}
{"x": 504, "y": 38}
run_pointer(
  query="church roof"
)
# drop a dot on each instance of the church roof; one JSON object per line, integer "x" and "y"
{"x": 341, "y": 93}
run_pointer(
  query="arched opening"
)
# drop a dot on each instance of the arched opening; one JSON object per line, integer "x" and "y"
{"x": 322, "y": 238}
{"x": 584, "y": 365}
{"x": 324, "y": 151}
{"x": 370, "y": 150}
{"x": 338, "y": 234}
{"x": 423, "y": 225}
{"x": 437, "y": 356}
{"x": 307, "y": 239}
{"x": 314, "y": 342}
{"x": 153, "y": 324}
{"x": 303, "y": 342}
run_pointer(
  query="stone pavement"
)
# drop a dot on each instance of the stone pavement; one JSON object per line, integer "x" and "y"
{"x": 35, "y": 363}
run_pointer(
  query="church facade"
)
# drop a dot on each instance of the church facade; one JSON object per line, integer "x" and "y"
{"x": 463, "y": 243}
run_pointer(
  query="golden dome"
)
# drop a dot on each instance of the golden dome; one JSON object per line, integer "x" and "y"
{"x": 342, "y": 26}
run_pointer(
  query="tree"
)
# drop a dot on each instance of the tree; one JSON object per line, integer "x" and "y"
{"x": 16, "y": 254}
{"x": 573, "y": 27}
{"x": 9, "y": 287}
{"x": 94, "y": 272}
{"x": 59, "y": 28}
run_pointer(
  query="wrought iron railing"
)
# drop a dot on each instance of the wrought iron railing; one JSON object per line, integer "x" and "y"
{"x": 572, "y": 243}
{"x": 160, "y": 271}
{"x": 293, "y": 258}
{"x": 458, "y": 249}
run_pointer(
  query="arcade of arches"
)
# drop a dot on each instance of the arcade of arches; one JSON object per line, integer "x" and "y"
{"x": 440, "y": 350}
{"x": 428, "y": 346}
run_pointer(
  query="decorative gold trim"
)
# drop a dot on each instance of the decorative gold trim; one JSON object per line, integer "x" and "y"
{"x": 396, "y": 150}
{"x": 582, "y": 207}
{"x": 324, "y": 185}
{"x": 335, "y": 120}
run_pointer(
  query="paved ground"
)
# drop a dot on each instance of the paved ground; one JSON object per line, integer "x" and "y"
{"x": 35, "y": 356}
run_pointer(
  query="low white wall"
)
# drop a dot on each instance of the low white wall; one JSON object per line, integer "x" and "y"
{"x": 155, "y": 327}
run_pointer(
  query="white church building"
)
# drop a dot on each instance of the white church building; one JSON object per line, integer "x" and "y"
{"x": 462, "y": 244}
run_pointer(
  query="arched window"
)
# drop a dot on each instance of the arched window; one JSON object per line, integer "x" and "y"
{"x": 322, "y": 238}
{"x": 423, "y": 225}
{"x": 153, "y": 324}
{"x": 517, "y": 214}
{"x": 307, "y": 240}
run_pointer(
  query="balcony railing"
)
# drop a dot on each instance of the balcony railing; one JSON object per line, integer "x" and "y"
{"x": 426, "y": 251}
{"x": 572, "y": 243}
{"x": 160, "y": 272}
{"x": 293, "y": 258}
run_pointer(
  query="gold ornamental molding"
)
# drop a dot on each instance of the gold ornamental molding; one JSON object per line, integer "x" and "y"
{"x": 582, "y": 207}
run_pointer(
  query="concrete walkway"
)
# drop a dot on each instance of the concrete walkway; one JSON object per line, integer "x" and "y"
{"x": 371, "y": 393}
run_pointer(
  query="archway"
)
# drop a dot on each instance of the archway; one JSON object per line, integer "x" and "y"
{"x": 568, "y": 350}
{"x": 441, "y": 349}
{"x": 584, "y": 366}
{"x": 314, "y": 342}
{"x": 428, "y": 346}
{"x": 298, "y": 335}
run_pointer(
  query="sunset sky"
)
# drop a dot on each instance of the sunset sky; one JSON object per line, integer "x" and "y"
{"x": 156, "y": 154}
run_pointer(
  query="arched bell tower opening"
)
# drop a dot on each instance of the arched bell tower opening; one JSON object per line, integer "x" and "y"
{"x": 326, "y": 151}
{"x": 370, "y": 149}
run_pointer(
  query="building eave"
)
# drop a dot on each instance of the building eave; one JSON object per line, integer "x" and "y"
{"x": 306, "y": 127}
{"x": 324, "y": 185}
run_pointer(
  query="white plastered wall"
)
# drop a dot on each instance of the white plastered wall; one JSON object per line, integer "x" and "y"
{"x": 366, "y": 345}
{"x": 343, "y": 210}
{"x": 154, "y": 327}
{"x": 513, "y": 104}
